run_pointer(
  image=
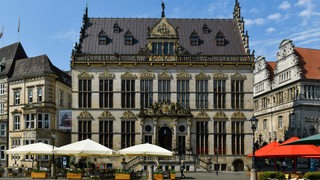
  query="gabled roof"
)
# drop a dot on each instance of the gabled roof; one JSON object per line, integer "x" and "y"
{"x": 12, "y": 51}
{"x": 139, "y": 29}
{"x": 310, "y": 62}
{"x": 39, "y": 65}
{"x": 8, "y": 55}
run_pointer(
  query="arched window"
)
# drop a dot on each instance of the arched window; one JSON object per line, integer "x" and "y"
{"x": 194, "y": 39}
{"x": 103, "y": 38}
{"x": 220, "y": 39}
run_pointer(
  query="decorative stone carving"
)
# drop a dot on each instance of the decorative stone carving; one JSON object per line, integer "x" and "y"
{"x": 85, "y": 75}
{"x": 220, "y": 76}
{"x": 202, "y": 115}
{"x": 147, "y": 75}
{"x": 128, "y": 115}
{"x": 106, "y": 75}
{"x": 106, "y": 115}
{"x": 202, "y": 76}
{"x": 238, "y": 115}
{"x": 85, "y": 115}
{"x": 238, "y": 76}
{"x": 165, "y": 109}
{"x": 128, "y": 75}
{"x": 164, "y": 76}
{"x": 220, "y": 115}
{"x": 183, "y": 75}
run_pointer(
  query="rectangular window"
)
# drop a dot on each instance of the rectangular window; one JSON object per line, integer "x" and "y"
{"x": 39, "y": 95}
{"x": 202, "y": 94}
{"x": 43, "y": 120}
{"x": 280, "y": 122}
{"x": 106, "y": 133}
{"x": 148, "y": 139}
{"x": 16, "y": 122}
{"x": 220, "y": 137}
{"x": 106, "y": 93}
{"x": 219, "y": 94}
{"x": 30, "y": 121}
{"x": 3, "y": 129}
{"x": 164, "y": 93}
{"x": 237, "y": 94}
{"x": 127, "y": 93}
{"x": 265, "y": 125}
{"x": 1, "y": 108}
{"x": 17, "y": 95}
{"x": 2, "y": 154}
{"x": 181, "y": 144}
{"x": 146, "y": 93}
{"x": 61, "y": 97}
{"x": 127, "y": 134}
{"x": 30, "y": 95}
{"x": 202, "y": 137}
{"x": 69, "y": 100}
{"x": 237, "y": 137}
{"x": 85, "y": 93}
{"x": 183, "y": 93}
{"x": 84, "y": 130}
{"x": 2, "y": 88}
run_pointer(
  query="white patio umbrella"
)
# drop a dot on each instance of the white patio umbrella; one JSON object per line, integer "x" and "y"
{"x": 145, "y": 150}
{"x": 84, "y": 148}
{"x": 35, "y": 149}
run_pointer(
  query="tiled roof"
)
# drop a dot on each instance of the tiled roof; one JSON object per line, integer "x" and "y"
{"x": 271, "y": 66}
{"x": 310, "y": 62}
{"x": 7, "y": 56}
{"x": 139, "y": 29}
{"x": 39, "y": 65}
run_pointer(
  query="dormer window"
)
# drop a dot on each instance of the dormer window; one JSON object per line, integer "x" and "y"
{"x": 116, "y": 28}
{"x": 220, "y": 39}
{"x": 128, "y": 38}
{"x": 194, "y": 39}
{"x": 205, "y": 29}
{"x": 103, "y": 38}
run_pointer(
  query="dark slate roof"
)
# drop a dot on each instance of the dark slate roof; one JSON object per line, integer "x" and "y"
{"x": 39, "y": 65}
{"x": 139, "y": 28}
{"x": 8, "y": 55}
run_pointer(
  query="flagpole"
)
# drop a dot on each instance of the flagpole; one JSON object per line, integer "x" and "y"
{"x": 19, "y": 30}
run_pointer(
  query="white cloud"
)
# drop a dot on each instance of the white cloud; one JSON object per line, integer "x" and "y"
{"x": 270, "y": 29}
{"x": 71, "y": 35}
{"x": 285, "y": 5}
{"x": 258, "y": 21}
{"x": 275, "y": 16}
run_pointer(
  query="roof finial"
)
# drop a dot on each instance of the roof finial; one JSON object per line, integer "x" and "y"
{"x": 162, "y": 14}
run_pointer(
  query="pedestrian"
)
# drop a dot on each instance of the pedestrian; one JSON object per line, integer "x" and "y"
{"x": 284, "y": 165}
{"x": 182, "y": 167}
{"x": 278, "y": 164}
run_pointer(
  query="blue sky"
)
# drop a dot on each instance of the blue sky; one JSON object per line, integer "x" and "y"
{"x": 52, "y": 27}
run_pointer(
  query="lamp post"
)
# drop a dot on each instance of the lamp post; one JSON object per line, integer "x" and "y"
{"x": 253, "y": 173}
{"x": 53, "y": 138}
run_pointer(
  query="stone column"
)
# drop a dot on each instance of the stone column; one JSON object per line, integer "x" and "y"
{"x": 155, "y": 124}
{"x": 188, "y": 132}
{"x": 174, "y": 135}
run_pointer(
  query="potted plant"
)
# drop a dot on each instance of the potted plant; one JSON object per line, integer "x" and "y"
{"x": 122, "y": 174}
{"x": 172, "y": 174}
{"x": 38, "y": 174}
{"x": 158, "y": 174}
{"x": 74, "y": 174}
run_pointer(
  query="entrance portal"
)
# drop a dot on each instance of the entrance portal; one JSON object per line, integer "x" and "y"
{"x": 165, "y": 138}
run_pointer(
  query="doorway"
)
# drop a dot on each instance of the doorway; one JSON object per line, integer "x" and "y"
{"x": 165, "y": 138}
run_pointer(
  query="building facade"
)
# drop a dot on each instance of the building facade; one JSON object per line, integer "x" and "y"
{"x": 8, "y": 55}
{"x": 286, "y": 93}
{"x": 38, "y": 91}
{"x": 182, "y": 84}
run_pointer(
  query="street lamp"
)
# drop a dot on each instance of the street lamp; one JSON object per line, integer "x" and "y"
{"x": 253, "y": 174}
{"x": 53, "y": 138}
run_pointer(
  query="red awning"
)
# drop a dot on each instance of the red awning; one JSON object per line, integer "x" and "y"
{"x": 263, "y": 150}
{"x": 293, "y": 150}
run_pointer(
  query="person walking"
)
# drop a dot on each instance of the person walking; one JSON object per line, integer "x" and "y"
{"x": 284, "y": 165}
{"x": 182, "y": 167}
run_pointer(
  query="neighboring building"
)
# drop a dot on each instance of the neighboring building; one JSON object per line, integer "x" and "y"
{"x": 183, "y": 84}
{"x": 38, "y": 92}
{"x": 287, "y": 93}
{"x": 8, "y": 55}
